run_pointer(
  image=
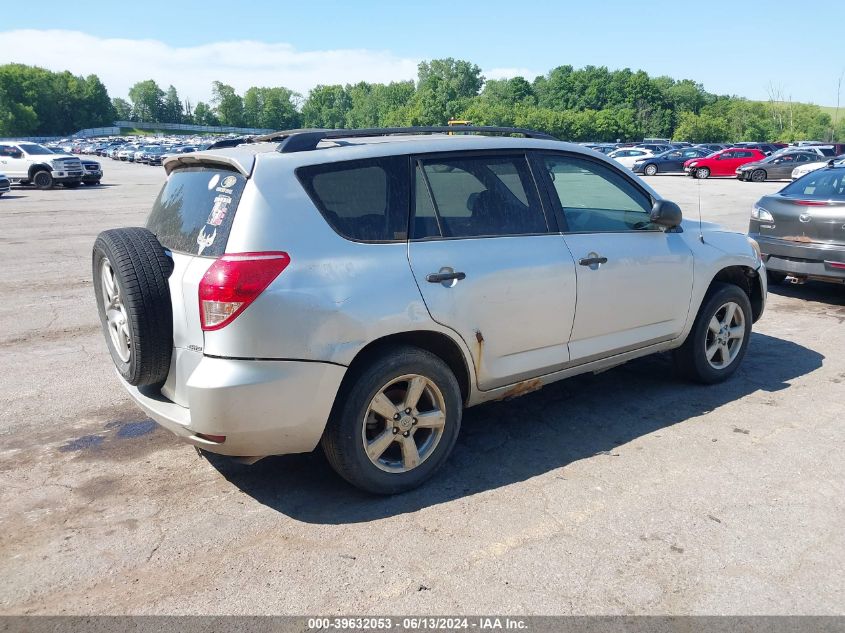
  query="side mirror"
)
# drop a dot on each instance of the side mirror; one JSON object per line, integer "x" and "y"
{"x": 666, "y": 213}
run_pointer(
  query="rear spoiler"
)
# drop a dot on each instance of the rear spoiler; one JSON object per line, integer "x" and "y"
{"x": 238, "y": 163}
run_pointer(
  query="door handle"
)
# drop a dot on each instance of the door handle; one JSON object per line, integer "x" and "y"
{"x": 437, "y": 278}
{"x": 592, "y": 261}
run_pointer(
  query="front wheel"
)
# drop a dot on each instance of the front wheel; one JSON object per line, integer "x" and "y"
{"x": 395, "y": 423}
{"x": 43, "y": 180}
{"x": 702, "y": 172}
{"x": 719, "y": 337}
{"x": 758, "y": 175}
{"x": 650, "y": 169}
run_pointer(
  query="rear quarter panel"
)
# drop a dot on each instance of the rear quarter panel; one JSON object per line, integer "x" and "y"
{"x": 335, "y": 296}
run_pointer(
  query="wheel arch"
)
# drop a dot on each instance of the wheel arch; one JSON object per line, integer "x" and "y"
{"x": 38, "y": 167}
{"x": 746, "y": 278}
{"x": 439, "y": 344}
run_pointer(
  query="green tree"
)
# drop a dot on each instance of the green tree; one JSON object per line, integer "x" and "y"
{"x": 171, "y": 109}
{"x": 204, "y": 115}
{"x": 444, "y": 89}
{"x": 122, "y": 109}
{"x": 228, "y": 105}
{"x": 326, "y": 106}
{"x": 147, "y": 101}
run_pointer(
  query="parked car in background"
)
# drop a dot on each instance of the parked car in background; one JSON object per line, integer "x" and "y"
{"x": 127, "y": 153}
{"x": 152, "y": 155}
{"x": 654, "y": 148}
{"x": 92, "y": 172}
{"x": 778, "y": 166}
{"x": 5, "y": 184}
{"x": 766, "y": 148}
{"x": 671, "y": 162}
{"x": 806, "y": 168}
{"x": 31, "y": 163}
{"x": 713, "y": 147}
{"x": 604, "y": 148}
{"x": 801, "y": 229}
{"x": 722, "y": 163}
{"x": 627, "y": 156}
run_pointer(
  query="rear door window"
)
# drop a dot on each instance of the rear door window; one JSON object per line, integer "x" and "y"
{"x": 477, "y": 196}
{"x": 195, "y": 209}
{"x": 362, "y": 200}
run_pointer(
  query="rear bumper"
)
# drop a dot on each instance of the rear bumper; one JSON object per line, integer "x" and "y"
{"x": 812, "y": 260}
{"x": 263, "y": 407}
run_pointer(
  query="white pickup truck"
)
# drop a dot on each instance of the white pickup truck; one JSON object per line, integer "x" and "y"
{"x": 30, "y": 163}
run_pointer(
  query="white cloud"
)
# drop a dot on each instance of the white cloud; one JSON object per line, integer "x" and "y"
{"x": 510, "y": 73}
{"x": 122, "y": 62}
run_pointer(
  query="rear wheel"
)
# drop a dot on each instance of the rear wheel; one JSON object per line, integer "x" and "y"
{"x": 130, "y": 271}
{"x": 758, "y": 175}
{"x": 42, "y": 180}
{"x": 650, "y": 169}
{"x": 719, "y": 337}
{"x": 702, "y": 172}
{"x": 395, "y": 423}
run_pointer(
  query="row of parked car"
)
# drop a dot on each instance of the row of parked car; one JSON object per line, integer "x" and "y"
{"x": 28, "y": 163}
{"x": 754, "y": 162}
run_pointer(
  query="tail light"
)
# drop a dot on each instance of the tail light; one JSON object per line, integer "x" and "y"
{"x": 811, "y": 203}
{"x": 233, "y": 282}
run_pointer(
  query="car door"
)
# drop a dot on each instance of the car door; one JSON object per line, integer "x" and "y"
{"x": 13, "y": 162}
{"x": 634, "y": 280}
{"x": 489, "y": 267}
{"x": 674, "y": 161}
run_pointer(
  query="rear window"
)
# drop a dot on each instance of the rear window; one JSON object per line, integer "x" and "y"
{"x": 363, "y": 200}
{"x": 822, "y": 184}
{"x": 195, "y": 209}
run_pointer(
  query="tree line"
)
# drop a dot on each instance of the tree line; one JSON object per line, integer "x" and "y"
{"x": 590, "y": 103}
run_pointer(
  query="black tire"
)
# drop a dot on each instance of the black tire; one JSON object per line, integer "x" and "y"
{"x": 702, "y": 172}
{"x": 342, "y": 440}
{"x": 775, "y": 278}
{"x": 650, "y": 169}
{"x": 691, "y": 358}
{"x": 758, "y": 175}
{"x": 141, "y": 270}
{"x": 42, "y": 179}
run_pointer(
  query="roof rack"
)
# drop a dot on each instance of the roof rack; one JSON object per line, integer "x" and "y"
{"x": 307, "y": 139}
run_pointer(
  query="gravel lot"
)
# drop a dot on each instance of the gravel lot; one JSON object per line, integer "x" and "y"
{"x": 627, "y": 492}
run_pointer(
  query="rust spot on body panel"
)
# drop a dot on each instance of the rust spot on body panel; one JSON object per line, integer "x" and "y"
{"x": 521, "y": 388}
{"x": 797, "y": 238}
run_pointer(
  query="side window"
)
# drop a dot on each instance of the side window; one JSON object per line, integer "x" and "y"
{"x": 804, "y": 158}
{"x": 476, "y": 196}
{"x": 595, "y": 198}
{"x": 364, "y": 200}
{"x": 8, "y": 150}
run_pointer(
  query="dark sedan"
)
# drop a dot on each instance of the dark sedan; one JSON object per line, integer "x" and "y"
{"x": 777, "y": 167}
{"x": 801, "y": 229}
{"x": 671, "y": 162}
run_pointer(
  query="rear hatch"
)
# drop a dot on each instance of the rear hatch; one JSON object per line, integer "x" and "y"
{"x": 809, "y": 210}
{"x": 192, "y": 218}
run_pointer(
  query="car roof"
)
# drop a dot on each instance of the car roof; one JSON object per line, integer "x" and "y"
{"x": 244, "y": 157}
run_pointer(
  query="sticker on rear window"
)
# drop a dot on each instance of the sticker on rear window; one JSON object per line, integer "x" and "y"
{"x": 228, "y": 181}
{"x": 219, "y": 210}
{"x": 204, "y": 240}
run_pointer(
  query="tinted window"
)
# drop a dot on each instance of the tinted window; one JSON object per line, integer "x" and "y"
{"x": 476, "y": 196}
{"x": 595, "y": 197}
{"x": 363, "y": 200}
{"x": 822, "y": 184}
{"x": 35, "y": 150}
{"x": 194, "y": 210}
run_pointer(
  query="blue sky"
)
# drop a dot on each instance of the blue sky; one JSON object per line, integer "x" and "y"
{"x": 731, "y": 47}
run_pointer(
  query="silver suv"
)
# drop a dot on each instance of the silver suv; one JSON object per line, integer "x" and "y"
{"x": 357, "y": 289}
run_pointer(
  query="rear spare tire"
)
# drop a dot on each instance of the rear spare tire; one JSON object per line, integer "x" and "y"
{"x": 130, "y": 270}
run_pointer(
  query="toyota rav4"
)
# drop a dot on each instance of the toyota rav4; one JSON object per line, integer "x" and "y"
{"x": 356, "y": 289}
